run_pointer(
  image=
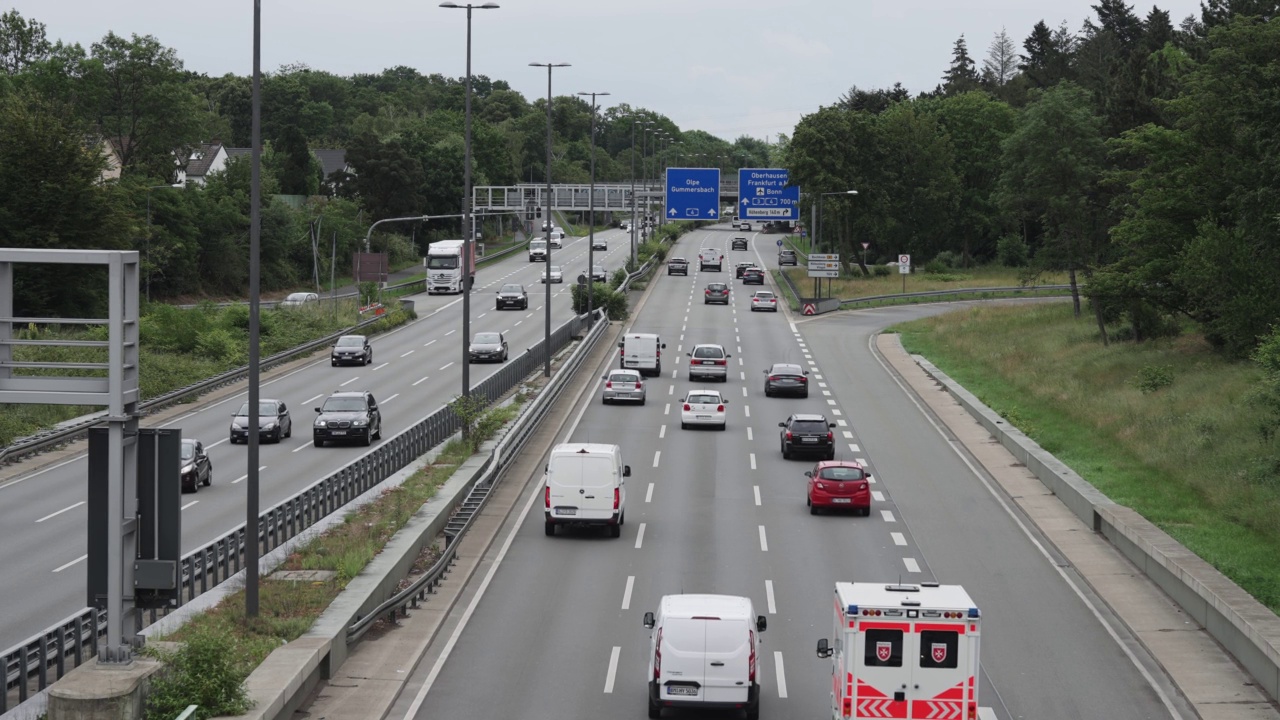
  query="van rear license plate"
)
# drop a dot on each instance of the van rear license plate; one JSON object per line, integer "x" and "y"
{"x": 566, "y": 511}
{"x": 681, "y": 690}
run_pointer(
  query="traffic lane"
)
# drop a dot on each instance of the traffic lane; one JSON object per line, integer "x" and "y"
{"x": 968, "y": 538}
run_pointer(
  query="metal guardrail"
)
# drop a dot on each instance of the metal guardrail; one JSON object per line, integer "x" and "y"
{"x": 957, "y": 291}
{"x": 478, "y": 496}
{"x": 76, "y": 637}
{"x": 42, "y": 440}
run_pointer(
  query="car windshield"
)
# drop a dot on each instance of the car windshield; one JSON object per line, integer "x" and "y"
{"x": 343, "y": 404}
{"x": 708, "y": 352}
{"x": 538, "y": 245}
{"x": 841, "y": 473}
{"x": 297, "y": 297}
{"x": 597, "y": 268}
{"x": 624, "y": 377}
{"x": 677, "y": 260}
{"x": 809, "y": 426}
{"x": 512, "y": 288}
{"x": 350, "y": 341}
{"x": 717, "y": 287}
{"x": 785, "y": 370}
{"x": 442, "y": 263}
{"x": 264, "y": 408}
{"x": 487, "y": 339}
{"x": 788, "y": 253}
{"x": 555, "y": 269}
{"x": 764, "y": 295}
{"x": 188, "y": 449}
{"x": 703, "y": 399}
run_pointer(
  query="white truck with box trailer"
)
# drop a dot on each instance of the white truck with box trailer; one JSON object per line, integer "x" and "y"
{"x": 904, "y": 651}
{"x": 447, "y": 270}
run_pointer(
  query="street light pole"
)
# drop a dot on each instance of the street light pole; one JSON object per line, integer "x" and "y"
{"x": 633, "y": 192}
{"x": 252, "y": 545}
{"x": 546, "y": 349}
{"x": 468, "y": 222}
{"x": 591, "y": 232}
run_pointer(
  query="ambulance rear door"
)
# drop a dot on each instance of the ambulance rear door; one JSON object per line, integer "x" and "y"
{"x": 943, "y": 661}
{"x": 880, "y": 674}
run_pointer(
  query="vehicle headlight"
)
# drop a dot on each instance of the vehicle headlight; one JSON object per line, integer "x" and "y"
{"x": 188, "y": 469}
{"x": 320, "y": 423}
{"x": 237, "y": 424}
{"x": 269, "y": 425}
{"x": 359, "y": 423}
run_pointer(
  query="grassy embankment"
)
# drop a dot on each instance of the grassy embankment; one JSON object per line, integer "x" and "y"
{"x": 1166, "y": 427}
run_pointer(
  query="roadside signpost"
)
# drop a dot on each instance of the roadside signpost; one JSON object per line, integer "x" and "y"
{"x": 904, "y": 269}
{"x": 766, "y": 194}
{"x": 824, "y": 265}
{"x": 693, "y": 193}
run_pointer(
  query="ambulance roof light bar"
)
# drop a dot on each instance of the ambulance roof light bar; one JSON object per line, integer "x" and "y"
{"x": 902, "y": 588}
{"x": 973, "y": 613}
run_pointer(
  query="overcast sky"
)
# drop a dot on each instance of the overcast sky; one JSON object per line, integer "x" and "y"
{"x": 729, "y": 67}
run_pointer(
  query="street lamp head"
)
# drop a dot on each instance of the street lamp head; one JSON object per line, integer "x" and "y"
{"x": 594, "y": 94}
{"x": 486, "y": 6}
{"x": 549, "y": 65}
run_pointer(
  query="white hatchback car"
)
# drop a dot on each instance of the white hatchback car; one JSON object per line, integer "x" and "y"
{"x": 555, "y": 277}
{"x": 622, "y": 385}
{"x": 703, "y": 407}
{"x": 764, "y": 300}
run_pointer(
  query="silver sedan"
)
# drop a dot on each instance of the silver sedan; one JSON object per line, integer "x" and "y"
{"x": 623, "y": 385}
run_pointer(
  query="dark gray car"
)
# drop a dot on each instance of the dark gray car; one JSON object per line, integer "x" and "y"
{"x": 787, "y": 257}
{"x": 786, "y": 379}
{"x": 716, "y": 293}
{"x": 347, "y": 416}
{"x": 351, "y": 350}
{"x": 488, "y": 347}
{"x": 807, "y": 434}
{"x": 274, "y": 422}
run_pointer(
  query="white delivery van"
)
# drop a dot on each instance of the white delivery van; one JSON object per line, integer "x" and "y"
{"x": 704, "y": 652}
{"x": 585, "y": 484}
{"x": 904, "y": 651}
{"x": 537, "y": 250}
{"x": 641, "y": 351}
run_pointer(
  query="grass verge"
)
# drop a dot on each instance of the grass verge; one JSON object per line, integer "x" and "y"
{"x": 1187, "y": 456}
{"x": 287, "y": 609}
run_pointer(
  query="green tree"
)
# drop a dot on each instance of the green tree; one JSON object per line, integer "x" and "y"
{"x": 389, "y": 179}
{"x": 22, "y": 42}
{"x": 296, "y": 169}
{"x": 916, "y": 182}
{"x": 1047, "y": 60}
{"x": 961, "y": 76}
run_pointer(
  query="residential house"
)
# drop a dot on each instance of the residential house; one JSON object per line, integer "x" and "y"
{"x": 205, "y": 159}
{"x": 111, "y": 150}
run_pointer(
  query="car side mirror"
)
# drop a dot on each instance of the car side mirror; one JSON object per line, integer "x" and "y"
{"x": 626, "y": 471}
{"x": 621, "y": 345}
{"x": 317, "y": 409}
{"x": 664, "y": 346}
{"x": 831, "y": 425}
{"x": 808, "y": 473}
{"x": 782, "y": 424}
{"x": 866, "y": 476}
{"x": 806, "y": 372}
{"x": 689, "y": 354}
{"x": 762, "y": 623}
{"x": 728, "y": 355}
{"x": 604, "y": 377}
{"x": 824, "y": 649}
{"x": 648, "y": 620}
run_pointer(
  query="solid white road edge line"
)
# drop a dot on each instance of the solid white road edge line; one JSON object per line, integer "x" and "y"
{"x": 1168, "y": 704}
{"x": 613, "y": 668}
{"x": 65, "y": 509}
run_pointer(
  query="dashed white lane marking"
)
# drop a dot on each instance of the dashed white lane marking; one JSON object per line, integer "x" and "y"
{"x": 393, "y": 397}
{"x": 849, "y": 436}
{"x": 747, "y": 409}
{"x": 626, "y": 594}
{"x": 748, "y": 434}
{"x": 671, "y": 389}
{"x": 301, "y": 447}
{"x": 744, "y": 391}
{"x": 842, "y": 423}
{"x": 408, "y": 353}
{"x": 428, "y": 343}
{"x": 836, "y": 411}
{"x": 753, "y": 461}
{"x": 416, "y": 384}
{"x": 613, "y": 668}
{"x": 242, "y": 478}
{"x": 831, "y": 402}
{"x": 782, "y": 676}
{"x": 862, "y": 461}
{"x": 648, "y": 494}
{"x": 450, "y": 333}
{"x": 912, "y": 565}
{"x": 656, "y": 455}
{"x": 667, "y": 410}
{"x": 662, "y": 432}
{"x": 887, "y": 515}
{"x": 877, "y": 496}
{"x": 447, "y": 366}
{"x": 756, "y": 490}
{"x": 193, "y": 502}
{"x": 764, "y": 542}
{"x": 65, "y": 509}
{"x": 768, "y": 594}
{"x": 308, "y": 400}
{"x": 898, "y": 538}
{"x": 826, "y": 393}
{"x": 640, "y": 536}
{"x": 73, "y": 562}
{"x": 350, "y": 381}
{"x": 517, "y": 324}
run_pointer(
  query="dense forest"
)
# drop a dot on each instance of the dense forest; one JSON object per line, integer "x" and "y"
{"x": 1140, "y": 157}
{"x": 62, "y": 105}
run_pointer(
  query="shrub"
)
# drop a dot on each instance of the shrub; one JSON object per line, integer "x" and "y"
{"x": 948, "y": 258}
{"x": 1267, "y": 394}
{"x": 935, "y": 267}
{"x": 1012, "y": 251}
{"x": 613, "y": 301}
{"x": 223, "y": 346}
{"x": 619, "y": 276}
{"x": 1154, "y": 377}
{"x": 201, "y": 673}
{"x": 881, "y": 270}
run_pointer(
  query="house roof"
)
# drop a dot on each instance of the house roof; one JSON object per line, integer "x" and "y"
{"x": 202, "y": 158}
{"x": 331, "y": 160}
{"x": 237, "y": 152}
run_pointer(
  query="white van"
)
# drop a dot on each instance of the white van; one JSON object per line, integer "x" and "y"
{"x": 641, "y": 351}
{"x": 704, "y": 652}
{"x": 585, "y": 485}
{"x": 537, "y": 250}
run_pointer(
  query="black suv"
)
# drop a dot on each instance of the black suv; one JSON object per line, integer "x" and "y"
{"x": 353, "y": 349}
{"x": 513, "y": 296}
{"x": 677, "y": 265}
{"x": 807, "y": 433}
{"x": 753, "y": 276}
{"x": 787, "y": 257}
{"x": 739, "y": 243}
{"x": 348, "y": 416}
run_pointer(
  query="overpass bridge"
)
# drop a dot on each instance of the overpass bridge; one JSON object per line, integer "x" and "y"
{"x": 608, "y": 197}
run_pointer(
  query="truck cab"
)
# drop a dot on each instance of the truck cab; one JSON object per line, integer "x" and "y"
{"x": 903, "y": 651}
{"x": 447, "y": 270}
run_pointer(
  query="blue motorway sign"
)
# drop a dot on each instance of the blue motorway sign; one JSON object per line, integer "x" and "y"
{"x": 693, "y": 194}
{"x": 764, "y": 194}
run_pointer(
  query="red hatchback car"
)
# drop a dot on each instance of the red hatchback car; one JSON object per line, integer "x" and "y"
{"x": 839, "y": 485}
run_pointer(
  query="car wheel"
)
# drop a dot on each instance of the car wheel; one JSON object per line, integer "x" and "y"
{"x": 378, "y": 435}
{"x": 642, "y": 401}
{"x": 498, "y": 306}
{"x": 684, "y": 425}
{"x": 813, "y": 509}
{"x": 279, "y": 435}
{"x": 368, "y": 437}
{"x": 806, "y": 394}
{"x": 289, "y": 433}
{"x": 753, "y": 713}
{"x": 615, "y": 531}
{"x": 722, "y": 427}
{"x": 549, "y": 529}
{"x": 831, "y": 454}
{"x": 786, "y": 452}
{"x": 208, "y": 479}
{"x": 317, "y": 442}
{"x": 333, "y": 363}
{"x": 655, "y": 710}
{"x": 767, "y": 392}
{"x": 604, "y": 401}
{"x": 232, "y": 439}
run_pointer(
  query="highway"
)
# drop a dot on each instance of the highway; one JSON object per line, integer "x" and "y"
{"x": 556, "y": 632}
{"x": 416, "y": 370}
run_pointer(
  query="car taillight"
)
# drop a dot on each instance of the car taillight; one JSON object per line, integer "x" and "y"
{"x": 608, "y": 384}
{"x": 803, "y": 379}
{"x": 848, "y": 706}
{"x": 657, "y": 656}
{"x": 773, "y": 378}
{"x": 773, "y": 300}
{"x": 751, "y": 662}
{"x": 722, "y": 362}
{"x": 639, "y": 385}
{"x": 719, "y": 408}
{"x": 708, "y": 291}
{"x": 830, "y": 436}
{"x": 617, "y": 497}
{"x": 788, "y": 434}
{"x": 547, "y": 497}
{"x": 687, "y": 408}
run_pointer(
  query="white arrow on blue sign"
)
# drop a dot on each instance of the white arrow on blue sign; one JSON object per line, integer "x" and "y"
{"x": 693, "y": 193}
{"x": 766, "y": 194}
